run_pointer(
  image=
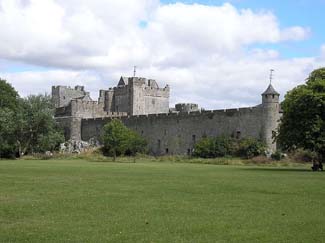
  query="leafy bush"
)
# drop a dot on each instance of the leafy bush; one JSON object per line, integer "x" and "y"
{"x": 205, "y": 148}
{"x": 277, "y": 155}
{"x": 223, "y": 146}
{"x": 120, "y": 140}
{"x": 249, "y": 148}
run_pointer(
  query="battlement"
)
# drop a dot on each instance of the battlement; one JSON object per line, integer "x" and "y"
{"x": 198, "y": 113}
{"x": 144, "y": 107}
{"x": 62, "y": 95}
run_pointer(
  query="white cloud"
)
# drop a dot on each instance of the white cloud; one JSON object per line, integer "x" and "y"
{"x": 295, "y": 33}
{"x": 206, "y": 53}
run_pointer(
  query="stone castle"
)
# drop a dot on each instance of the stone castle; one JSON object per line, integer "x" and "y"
{"x": 144, "y": 107}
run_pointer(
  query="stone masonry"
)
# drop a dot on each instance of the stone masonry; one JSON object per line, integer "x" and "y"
{"x": 144, "y": 107}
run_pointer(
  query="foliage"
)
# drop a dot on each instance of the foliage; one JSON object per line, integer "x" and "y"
{"x": 120, "y": 140}
{"x": 222, "y": 146}
{"x": 8, "y": 96}
{"x": 38, "y": 131}
{"x": 136, "y": 144}
{"x": 205, "y": 148}
{"x": 249, "y": 148}
{"x": 8, "y": 146}
{"x": 9, "y": 103}
{"x": 277, "y": 155}
{"x": 28, "y": 126}
{"x": 303, "y": 122}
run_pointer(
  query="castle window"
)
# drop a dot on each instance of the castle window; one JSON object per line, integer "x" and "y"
{"x": 64, "y": 97}
{"x": 193, "y": 138}
{"x": 167, "y": 150}
{"x": 165, "y": 132}
{"x": 142, "y": 132}
{"x": 188, "y": 151}
{"x": 238, "y": 135}
{"x": 273, "y": 96}
{"x": 159, "y": 143}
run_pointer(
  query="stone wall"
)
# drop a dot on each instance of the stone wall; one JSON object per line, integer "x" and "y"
{"x": 177, "y": 133}
{"x": 62, "y": 95}
{"x": 138, "y": 97}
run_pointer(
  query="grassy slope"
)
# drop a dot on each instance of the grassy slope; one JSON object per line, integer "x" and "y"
{"x": 79, "y": 201}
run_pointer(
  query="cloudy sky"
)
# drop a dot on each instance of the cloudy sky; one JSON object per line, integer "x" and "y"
{"x": 214, "y": 53}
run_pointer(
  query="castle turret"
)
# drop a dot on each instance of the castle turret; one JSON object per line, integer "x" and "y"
{"x": 271, "y": 116}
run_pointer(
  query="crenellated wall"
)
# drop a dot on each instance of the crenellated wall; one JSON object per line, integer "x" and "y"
{"x": 177, "y": 133}
{"x": 144, "y": 107}
{"x": 62, "y": 95}
{"x": 136, "y": 96}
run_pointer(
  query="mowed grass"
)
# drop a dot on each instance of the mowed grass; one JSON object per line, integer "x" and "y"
{"x": 81, "y": 201}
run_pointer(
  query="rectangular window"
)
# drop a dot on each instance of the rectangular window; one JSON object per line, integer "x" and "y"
{"x": 238, "y": 135}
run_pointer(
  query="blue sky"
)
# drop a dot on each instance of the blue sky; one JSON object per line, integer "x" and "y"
{"x": 214, "y": 53}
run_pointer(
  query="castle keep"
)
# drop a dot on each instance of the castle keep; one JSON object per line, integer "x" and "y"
{"x": 144, "y": 107}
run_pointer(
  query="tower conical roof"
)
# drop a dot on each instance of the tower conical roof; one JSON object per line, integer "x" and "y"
{"x": 270, "y": 90}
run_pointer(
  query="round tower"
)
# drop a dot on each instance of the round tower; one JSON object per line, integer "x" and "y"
{"x": 271, "y": 116}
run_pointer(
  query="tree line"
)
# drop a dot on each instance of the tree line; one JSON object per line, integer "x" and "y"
{"x": 27, "y": 125}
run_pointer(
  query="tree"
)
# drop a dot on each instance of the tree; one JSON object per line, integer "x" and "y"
{"x": 119, "y": 140}
{"x": 30, "y": 128}
{"x": 303, "y": 121}
{"x": 37, "y": 130}
{"x": 9, "y": 104}
{"x": 8, "y": 145}
{"x": 136, "y": 144}
{"x": 8, "y": 96}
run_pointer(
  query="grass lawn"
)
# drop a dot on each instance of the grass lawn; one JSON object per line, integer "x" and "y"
{"x": 80, "y": 201}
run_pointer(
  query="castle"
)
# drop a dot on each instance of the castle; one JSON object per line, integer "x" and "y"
{"x": 144, "y": 107}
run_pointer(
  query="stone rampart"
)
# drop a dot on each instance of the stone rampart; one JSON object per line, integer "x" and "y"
{"x": 177, "y": 133}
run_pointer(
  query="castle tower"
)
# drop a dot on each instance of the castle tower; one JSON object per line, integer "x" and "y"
{"x": 271, "y": 116}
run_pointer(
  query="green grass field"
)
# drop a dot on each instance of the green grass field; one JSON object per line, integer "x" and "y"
{"x": 80, "y": 201}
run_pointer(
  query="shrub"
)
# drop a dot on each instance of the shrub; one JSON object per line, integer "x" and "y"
{"x": 249, "y": 148}
{"x": 120, "y": 140}
{"x": 304, "y": 156}
{"x": 205, "y": 148}
{"x": 277, "y": 155}
{"x": 224, "y": 146}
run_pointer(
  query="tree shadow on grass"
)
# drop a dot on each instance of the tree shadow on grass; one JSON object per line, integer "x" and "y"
{"x": 273, "y": 169}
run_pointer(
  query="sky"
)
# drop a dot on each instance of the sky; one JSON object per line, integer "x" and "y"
{"x": 211, "y": 52}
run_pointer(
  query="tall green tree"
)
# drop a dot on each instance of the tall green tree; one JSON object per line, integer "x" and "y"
{"x": 8, "y": 144}
{"x": 303, "y": 121}
{"x": 120, "y": 140}
{"x": 29, "y": 127}
{"x": 37, "y": 130}
{"x": 9, "y": 106}
{"x": 8, "y": 96}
